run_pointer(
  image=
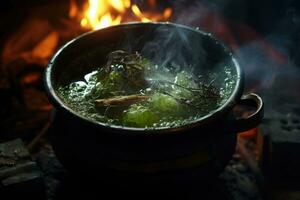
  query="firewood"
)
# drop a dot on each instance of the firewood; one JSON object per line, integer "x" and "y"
{"x": 19, "y": 173}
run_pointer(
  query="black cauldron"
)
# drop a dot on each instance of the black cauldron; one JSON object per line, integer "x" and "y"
{"x": 199, "y": 149}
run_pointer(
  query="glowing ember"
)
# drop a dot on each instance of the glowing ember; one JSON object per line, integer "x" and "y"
{"x": 97, "y": 14}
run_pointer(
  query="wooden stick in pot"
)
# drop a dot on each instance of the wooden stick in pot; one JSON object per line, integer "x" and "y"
{"x": 121, "y": 100}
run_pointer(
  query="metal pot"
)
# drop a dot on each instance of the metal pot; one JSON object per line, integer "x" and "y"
{"x": 201, "y": 148}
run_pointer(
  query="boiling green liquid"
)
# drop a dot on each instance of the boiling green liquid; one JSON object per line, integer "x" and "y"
{"x": 174, "y": 99}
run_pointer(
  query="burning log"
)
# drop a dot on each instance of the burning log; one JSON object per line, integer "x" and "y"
{"x": 43, "y": 51}
{"x": 25, "y": 39}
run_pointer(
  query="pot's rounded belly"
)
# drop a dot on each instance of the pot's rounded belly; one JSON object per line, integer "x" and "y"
{"x": 81, "y": 147}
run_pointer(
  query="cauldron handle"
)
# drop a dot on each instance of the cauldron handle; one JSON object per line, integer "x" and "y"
{"x": 242, "y": 124}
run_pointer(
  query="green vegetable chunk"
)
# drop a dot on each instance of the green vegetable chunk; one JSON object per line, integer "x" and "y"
{"x": 139, "y": 116}
{"x": 185, "y": 79}
{"x": 113, "y": 81}
{"x": 165, "y": 104}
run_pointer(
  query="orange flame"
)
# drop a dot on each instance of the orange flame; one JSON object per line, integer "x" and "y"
{"x": 99, "y": 14}
{"x": 135, "y": 9}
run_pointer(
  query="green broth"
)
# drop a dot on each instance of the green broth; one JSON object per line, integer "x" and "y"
{"x": 170, "y": 98}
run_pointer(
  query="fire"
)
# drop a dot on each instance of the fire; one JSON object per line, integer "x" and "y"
{"x": 135, "y": 9}
{"x": 97, "y": 14}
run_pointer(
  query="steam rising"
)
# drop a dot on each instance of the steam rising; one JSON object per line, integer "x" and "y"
{"x": 270, "y": 60}
{"x": 174, "y": 48}
{"x": 171, "y": 49}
